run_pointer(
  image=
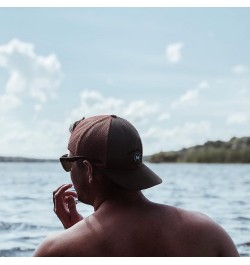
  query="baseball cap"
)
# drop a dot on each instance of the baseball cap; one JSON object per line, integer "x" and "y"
{"x": 115, "y": 146}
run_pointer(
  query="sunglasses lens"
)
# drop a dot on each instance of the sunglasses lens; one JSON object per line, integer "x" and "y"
{"x": 66, "y": 165}
{"x": 67, "y": 161}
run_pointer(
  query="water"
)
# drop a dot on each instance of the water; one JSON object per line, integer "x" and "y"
{"x": 26, "y": 212}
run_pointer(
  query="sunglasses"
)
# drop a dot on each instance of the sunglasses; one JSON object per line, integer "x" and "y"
{"x": 67, "y": 161}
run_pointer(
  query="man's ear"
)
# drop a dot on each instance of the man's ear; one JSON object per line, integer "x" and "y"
{"x": 89, "y": 170}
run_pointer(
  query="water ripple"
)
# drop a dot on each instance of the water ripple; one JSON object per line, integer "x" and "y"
{"x": 16, "y": 252}
{"x": 17, "y": 226}
{"x": 242, "y": 218}
{"x": 219, "y": 191}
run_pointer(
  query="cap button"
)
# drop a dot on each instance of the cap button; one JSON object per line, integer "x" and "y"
{"x": 114, "y": 116}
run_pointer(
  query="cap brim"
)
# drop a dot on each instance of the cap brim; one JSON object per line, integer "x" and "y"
{"x": 135, "y": 179}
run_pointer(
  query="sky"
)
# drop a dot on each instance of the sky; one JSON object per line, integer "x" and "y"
{"x": 181, "y": 76}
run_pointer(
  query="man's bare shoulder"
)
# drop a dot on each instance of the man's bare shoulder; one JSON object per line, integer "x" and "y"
{"x": 199, "y": 222}
{"x": 186, "y": 221}
{"x": 184, "y": 217}
{"x": 201, "y": 230}
{"x": 75, "y": 241}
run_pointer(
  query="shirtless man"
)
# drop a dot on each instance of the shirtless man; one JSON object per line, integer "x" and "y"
{"x": 105, "y": 163}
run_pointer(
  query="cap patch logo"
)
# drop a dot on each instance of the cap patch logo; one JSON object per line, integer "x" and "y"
{"x": 137, "y": 157}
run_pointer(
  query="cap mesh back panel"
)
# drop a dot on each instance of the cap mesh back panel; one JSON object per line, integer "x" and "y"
{"x": 90, "y": 138}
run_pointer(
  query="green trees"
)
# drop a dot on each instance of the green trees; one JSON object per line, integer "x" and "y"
{"x": 237, "y": 150}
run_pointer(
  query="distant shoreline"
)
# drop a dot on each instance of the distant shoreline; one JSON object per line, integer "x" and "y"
{"x": 235, "y": 151}
{"x": 25, "y": 159}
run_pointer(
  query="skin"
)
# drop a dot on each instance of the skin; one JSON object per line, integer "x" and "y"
{"x": 125, "y": 223}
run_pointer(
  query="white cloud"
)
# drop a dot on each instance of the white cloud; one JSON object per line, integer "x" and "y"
{"x": 8, "y": 102}
{"x": 239, "y": 69}
{"x": 166, "y": 139}
{"x": 32, "y": 79}
{"x": 163, "y": 117}
{"x": 30, "y": 74}
{"x": 139, "y": 110}
{"x": 50, "y": 137}
{"x": 141, "y": 114}
{"x": 94, "y": 103}
{"x": 16, "y": 83}
{"x": 237, "y": 118}
{"x": 188, "y": 129}
{"x": 190, "y": 95}
{"x": 40, "y": 139}
{"x": 173, "y": 52}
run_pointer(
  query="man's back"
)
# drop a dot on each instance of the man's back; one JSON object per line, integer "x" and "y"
{"x": 142, "y": 228}
{"x": 107, "y": 172}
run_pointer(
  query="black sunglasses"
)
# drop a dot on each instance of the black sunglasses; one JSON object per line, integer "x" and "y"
{"x": 67, "y": 161}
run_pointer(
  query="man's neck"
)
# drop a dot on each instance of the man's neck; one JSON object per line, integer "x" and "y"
{"x": 123, "y": 197}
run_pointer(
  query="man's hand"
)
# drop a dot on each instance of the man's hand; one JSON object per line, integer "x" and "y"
{"x": 65, "y": 206}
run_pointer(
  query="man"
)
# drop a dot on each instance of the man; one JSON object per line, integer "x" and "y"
{"x": 105, "y": 163}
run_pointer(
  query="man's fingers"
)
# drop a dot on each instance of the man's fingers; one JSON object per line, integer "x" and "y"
{"x": 65, "y": 205}
{"x": 55, "y": 191}
{"x": 59, "y": 192}
{"x": 74, "y": 215}
{"x": 58, "y": 198}
{"x": 62, "y": 188}
{"x": 72, "y": 206}
{"x": 69, "y": 192}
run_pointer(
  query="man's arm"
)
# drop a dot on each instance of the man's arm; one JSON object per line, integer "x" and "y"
{"x": 218, "y": 237}
{"x": 76, "y": 241}
{"x": 227, "y": 247}
{"x": 47, "y": 248}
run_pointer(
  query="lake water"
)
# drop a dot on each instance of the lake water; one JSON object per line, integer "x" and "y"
{"x": 26, "y": 212}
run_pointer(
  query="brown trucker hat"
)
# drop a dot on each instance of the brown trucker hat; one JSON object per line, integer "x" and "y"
{"x": 115, "y": 147}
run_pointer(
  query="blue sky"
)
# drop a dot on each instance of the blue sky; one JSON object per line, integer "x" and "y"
{"x": 180, "y": 75}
